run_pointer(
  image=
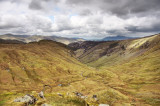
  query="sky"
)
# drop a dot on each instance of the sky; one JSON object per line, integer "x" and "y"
{"x": 89, "y": 19}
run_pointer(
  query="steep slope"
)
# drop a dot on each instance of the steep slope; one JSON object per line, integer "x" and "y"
{"x": 29, "y": 38}
{"x": 26, "y": 68}
{"x": 2, "y": 41}
{"x": 112, "y": 52}
{"x": 136, "y": 62}
{"x": 122, "y": 73}
{"x": 45, "y": 62}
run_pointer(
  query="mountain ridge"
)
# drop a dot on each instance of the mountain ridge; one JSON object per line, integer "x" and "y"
{"x": 32, "y": 38}
{"x": 118, "y": 37}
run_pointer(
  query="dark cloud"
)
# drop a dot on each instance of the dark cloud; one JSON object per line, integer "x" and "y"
{"x": 85, "y": 12}
{"x": 79, "y": 2}
{"x": 119, "y": 7}
{"x": 153, "y": 27}
{"x": 8, "y": 26}
{"x": 36, "y": 5}
{"x": 2, "y": 0}
{"x": 40, "y": 4}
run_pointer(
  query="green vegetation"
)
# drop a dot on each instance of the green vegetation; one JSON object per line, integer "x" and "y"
{"x": 119, "y": 72}
{"x": 135, "y": 67}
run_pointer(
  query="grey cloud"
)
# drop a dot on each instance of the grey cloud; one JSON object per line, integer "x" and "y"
{"x": 3, "y": 0}
{"x": 8, "y": 26}
{"x": 115, "y": 32}
{"x": 119, "y": 7}
{"x": 78, "y": 1}
{"x": 154, "y": 27}
{"x": 85, "y": 12}
{"x": 36, "y": 5}
{"x": 40, "y": 4}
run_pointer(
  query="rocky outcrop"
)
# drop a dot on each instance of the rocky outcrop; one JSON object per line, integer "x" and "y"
{"x": 27, "y": 99}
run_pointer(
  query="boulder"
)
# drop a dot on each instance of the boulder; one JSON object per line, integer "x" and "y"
{"x": 41, "y": 95}
{"x": 27, "y": 99}
{"x": 59, "y": 84}
{"x": 83, "y": 97}
{"x": 94, "y": 96}
{"x": 78, "y": 94}
{"x": 46, "y": 104}
{"x": 59, "y": 94}
{"x": 103, "y": 105}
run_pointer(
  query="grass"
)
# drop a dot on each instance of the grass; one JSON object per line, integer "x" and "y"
{"x": 135, "y": 70}
{"x": 115, "y": 79}
{"x": 2, "y": 103}
{"x": 152, "y": 101}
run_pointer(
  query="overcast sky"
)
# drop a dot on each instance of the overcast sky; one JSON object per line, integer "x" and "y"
{"x": 88, "y": 19}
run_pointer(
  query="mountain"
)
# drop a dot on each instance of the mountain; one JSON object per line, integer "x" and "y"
{"x": 2, "y": 41}
{"x": 113, "y": 38}
{"x": 29, "y": 38}
{"x": 26, "y": 68}
{"x": 116, "y": 73}
{"x": 135, "y": 61}
{"x": 89, "y": 51}
{"x": 43, "y": 62}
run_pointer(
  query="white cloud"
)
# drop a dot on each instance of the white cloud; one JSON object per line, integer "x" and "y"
{"x": 75, "y": 18}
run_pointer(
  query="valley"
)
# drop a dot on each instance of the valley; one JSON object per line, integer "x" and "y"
{"x": 119, "y": 73}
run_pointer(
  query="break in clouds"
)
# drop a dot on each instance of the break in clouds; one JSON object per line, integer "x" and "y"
{"x": 80, "y": 18}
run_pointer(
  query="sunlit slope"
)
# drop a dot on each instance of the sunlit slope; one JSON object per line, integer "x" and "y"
{"x": 124, "y": 72}
{"x": 22, "y": 66}
{"x": 136, "y": 64}
{"x": 26, "y": 68}
{"x": 141, "y": 75}
{"x": 110, "y": 53}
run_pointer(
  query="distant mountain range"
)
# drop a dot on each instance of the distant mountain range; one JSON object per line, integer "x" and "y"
{"x": 113, "y": 38}
{"x": 32, "y": 38}
{"x": 2, "y": 41}
{"x": 64, "y": 40}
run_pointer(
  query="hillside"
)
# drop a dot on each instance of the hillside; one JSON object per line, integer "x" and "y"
{"x": 32, "y": 38}
{"x": 119, "y": 73}
{"x": 92, "y": 51}
{"x": 136, "y": 62}
{"x": 26, "y": 68}
{"x": 2, "y": 41}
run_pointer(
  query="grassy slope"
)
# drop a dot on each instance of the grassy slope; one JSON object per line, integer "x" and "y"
{"x": 133, "y": 79}
{"x": 136, "y": 66}
{"x": 25, "y": 68}
{"x": 141, "y": 76}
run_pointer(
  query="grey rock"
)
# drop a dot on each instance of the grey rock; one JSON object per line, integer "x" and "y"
{"x": 46, "y": 104}
{"x": 59, "y": 84}
{"x": 59, "y": 94}
{"x": 103, "y": 105}
{"x": 8, "y": 70}
{"x": 78, "y": 94}
{"x": 28, "y": 99}
{"x": 94, "y": 96}
{"x": 41, "y": 94}
{"x": 83, "y": 97}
